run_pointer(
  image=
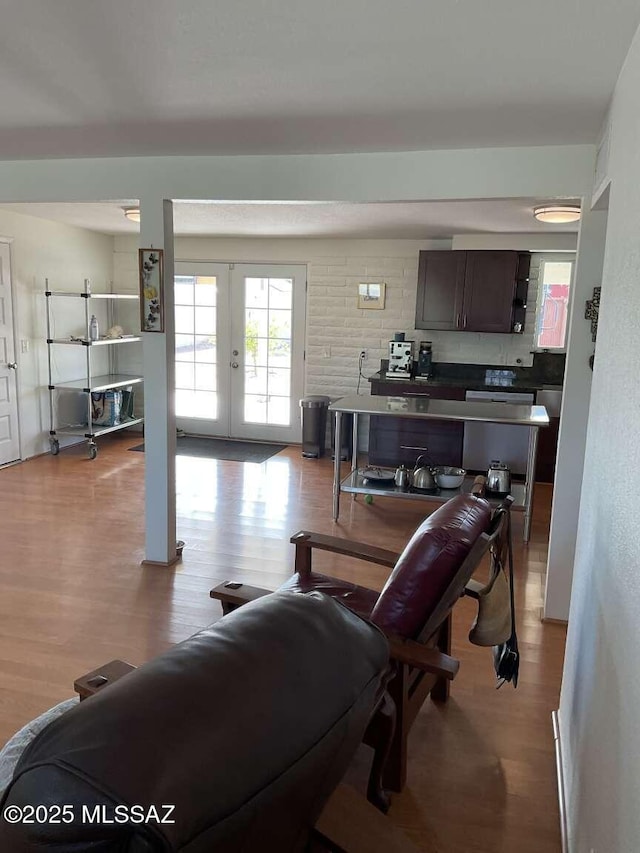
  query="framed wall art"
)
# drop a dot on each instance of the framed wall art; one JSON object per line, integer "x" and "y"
{"x": 371, "y": 296}
{"x": 151, "y": 272}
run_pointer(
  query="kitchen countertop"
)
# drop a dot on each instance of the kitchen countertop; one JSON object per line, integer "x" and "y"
{"x": 472, "y": 384}
{"x": 444, "y": 410}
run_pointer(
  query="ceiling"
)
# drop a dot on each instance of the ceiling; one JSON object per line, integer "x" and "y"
{"x": 195, "y": 77}
{"x": 402, "y": 220}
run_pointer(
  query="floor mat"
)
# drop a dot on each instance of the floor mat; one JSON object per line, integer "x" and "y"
{"x": 221, "y": 448}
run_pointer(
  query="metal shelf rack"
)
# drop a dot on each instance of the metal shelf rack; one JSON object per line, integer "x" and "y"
{"x": 88, "y": 383}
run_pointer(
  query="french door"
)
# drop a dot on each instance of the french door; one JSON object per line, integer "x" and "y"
{"x": 240, "y": 349}
{"x": 9, "y": 436}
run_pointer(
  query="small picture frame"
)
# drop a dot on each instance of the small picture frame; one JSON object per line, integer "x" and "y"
{"x": 371, "y": 295}
{"x": 151, "y": 283}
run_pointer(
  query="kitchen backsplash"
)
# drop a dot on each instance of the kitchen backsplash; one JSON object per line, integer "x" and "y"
{"x": 547, "y": 369}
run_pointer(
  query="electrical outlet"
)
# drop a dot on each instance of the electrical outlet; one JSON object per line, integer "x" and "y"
{"x": 363, "y": 355}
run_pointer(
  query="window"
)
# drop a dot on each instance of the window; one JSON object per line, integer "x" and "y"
{"x": 553, "y": 303}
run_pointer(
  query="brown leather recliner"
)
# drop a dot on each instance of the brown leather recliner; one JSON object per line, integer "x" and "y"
{"x": 246, "y": 728}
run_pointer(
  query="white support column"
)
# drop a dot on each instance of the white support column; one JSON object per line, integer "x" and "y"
{"x": 574, "y": 417}
{"x": 156, "y": 231}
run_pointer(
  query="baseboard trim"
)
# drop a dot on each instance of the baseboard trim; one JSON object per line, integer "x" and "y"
{"x": 561, "y": 789}
{"x": 549, "y": 621}
{"x": 161, "y": 564}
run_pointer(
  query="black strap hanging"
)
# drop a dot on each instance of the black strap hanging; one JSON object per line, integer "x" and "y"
{"x": 506, "y": 657}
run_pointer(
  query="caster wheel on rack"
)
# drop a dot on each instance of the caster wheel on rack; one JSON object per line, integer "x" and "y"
{"x": 55, "y": 446}
{"x": 93, "y": 451}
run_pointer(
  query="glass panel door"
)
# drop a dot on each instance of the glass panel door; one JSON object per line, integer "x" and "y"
{"x": 201, "y": 293}
{"x": 267, "y": 342}
{"x": 268, "y": 305}
{"x": 240, "y": 349}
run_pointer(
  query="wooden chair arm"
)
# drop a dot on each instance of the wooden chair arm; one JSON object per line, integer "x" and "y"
{"x": 304, "y": 539}
{"x": 237, "y": 594}
{"x": 96, "y": 680}
{"x": 479, "y": 486}
{"x": 422, "y": 657}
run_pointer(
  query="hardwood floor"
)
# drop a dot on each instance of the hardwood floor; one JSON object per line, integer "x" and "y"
{"x": 73, "y": 595}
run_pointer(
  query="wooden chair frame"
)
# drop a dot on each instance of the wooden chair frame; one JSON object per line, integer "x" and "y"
{"x": 422, "y": 667}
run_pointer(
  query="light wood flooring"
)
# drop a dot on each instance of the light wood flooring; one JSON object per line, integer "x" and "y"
{"x": 73, "y": 595}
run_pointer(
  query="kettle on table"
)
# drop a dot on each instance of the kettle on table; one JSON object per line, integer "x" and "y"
{"x": 422, "y": 476}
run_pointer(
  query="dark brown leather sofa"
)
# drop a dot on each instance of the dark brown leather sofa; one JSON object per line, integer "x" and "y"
{"x": 246, "y": 728}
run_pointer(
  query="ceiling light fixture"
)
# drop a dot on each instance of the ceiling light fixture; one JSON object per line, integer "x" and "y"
{"x": 558, "y": 214}
{"x": 132, "y": 213}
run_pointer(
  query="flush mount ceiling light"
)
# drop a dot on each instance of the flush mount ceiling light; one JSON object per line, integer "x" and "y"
{"x": 132, "y": 213}
{"x": 557, "y": 214}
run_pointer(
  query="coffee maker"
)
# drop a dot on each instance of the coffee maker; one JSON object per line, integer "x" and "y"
{"x": 425, "y": 355}
{"x": 400, "y": 358}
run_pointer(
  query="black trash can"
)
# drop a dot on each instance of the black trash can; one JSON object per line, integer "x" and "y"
{"x": 346, "y": 439}
{"x": 314, "y": 425}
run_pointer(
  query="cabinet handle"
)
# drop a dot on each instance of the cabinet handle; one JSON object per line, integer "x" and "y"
{"x": 457, "y": 321}
{"x": 411, "y": 447}
{"x": 464, "y": 322}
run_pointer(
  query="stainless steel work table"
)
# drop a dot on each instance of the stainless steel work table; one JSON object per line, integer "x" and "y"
{"x": 531, "y": 417}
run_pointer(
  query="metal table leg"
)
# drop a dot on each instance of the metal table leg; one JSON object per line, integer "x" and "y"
{"x": 336, "y": 466}
{"x": 354, "y": 447}
{"x": 530, "y": 480}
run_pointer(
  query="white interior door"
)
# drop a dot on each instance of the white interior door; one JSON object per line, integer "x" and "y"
{"x": 240, "y": 349}
{"x": 9, "y": 435}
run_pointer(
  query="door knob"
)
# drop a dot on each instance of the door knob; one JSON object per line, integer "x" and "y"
{"x": 12, "y": 365}
{"x": 234, "y": 364}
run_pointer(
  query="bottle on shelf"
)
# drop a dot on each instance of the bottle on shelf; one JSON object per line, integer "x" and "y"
{"x": 94, "y": 332}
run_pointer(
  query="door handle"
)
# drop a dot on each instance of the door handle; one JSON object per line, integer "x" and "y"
{"x": 234, "y": 364}
{"x": 12, "y": 365}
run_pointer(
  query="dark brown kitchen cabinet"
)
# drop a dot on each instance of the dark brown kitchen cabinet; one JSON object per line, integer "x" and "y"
{"x": 399, "y": 441}
{"x": 440, "y": 290}
{"x": 489, "y": 289}
{"x": 467, "y": 291}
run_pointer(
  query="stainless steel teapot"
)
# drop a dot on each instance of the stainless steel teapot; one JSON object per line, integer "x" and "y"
{"x": 498, "y": 478}
{"x": 422, "y": 476}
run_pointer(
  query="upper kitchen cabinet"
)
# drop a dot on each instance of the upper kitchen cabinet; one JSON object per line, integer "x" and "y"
{"x": 470, "y": 291}
{"x": 440, "y": 290}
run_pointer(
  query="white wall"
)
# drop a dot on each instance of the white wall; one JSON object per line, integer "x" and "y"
{"x": 66, "y": 256}
{"x": 337, "y": 330}
{"x": 573, "y": 421}
{"x": 600, "y": 696}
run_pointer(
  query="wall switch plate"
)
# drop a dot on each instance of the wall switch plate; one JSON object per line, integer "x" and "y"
{"x": 24, "y": 345}
{"x": 326, "y": 352}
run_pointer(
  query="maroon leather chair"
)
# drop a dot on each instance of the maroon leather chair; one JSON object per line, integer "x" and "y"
{"x": 413, "y": 610}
